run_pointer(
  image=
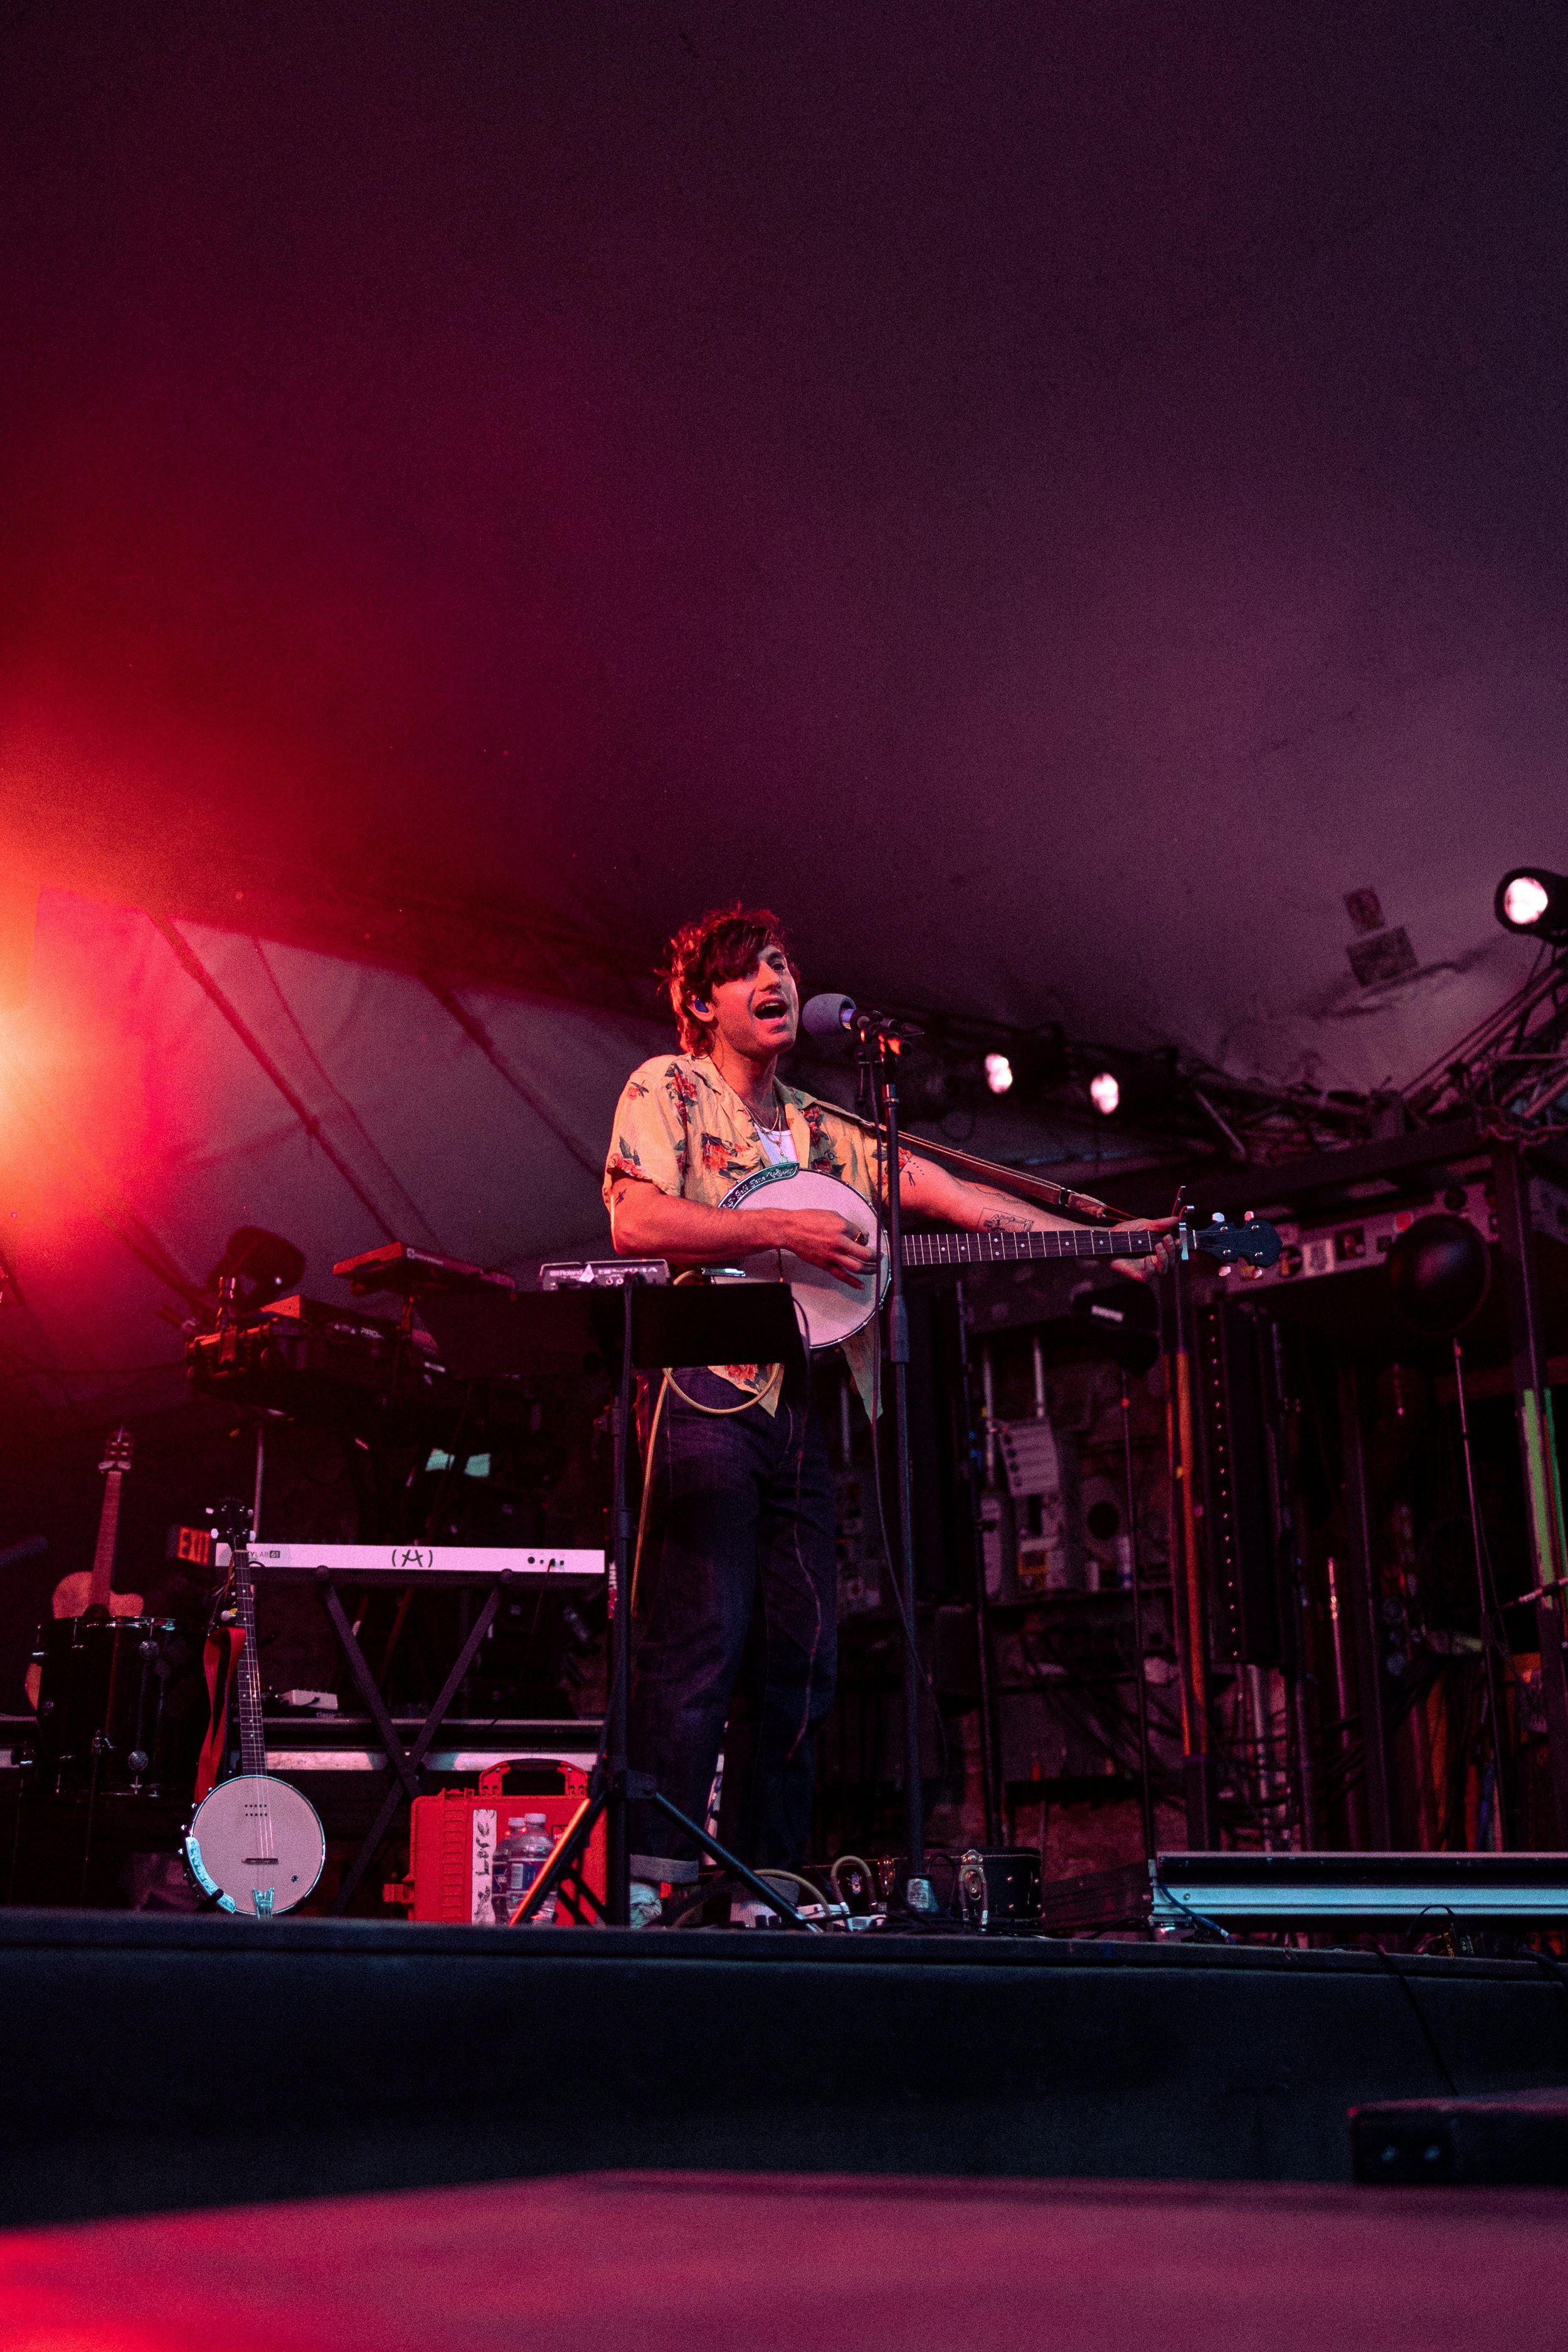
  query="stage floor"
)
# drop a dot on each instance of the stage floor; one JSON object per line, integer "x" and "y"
{"x": 682, "y": 2264}
{"x": 153, "y": 2063}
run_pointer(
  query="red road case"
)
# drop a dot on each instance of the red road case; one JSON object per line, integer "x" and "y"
{"x": 453, "y": 1838}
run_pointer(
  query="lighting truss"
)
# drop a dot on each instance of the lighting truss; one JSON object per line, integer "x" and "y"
{"x": 1513, "y": 1065}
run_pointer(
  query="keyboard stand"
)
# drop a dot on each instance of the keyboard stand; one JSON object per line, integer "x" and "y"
{"x": 429, "y": 1568}
{"x": 634, "y": 1327}
{"x": 404, "y": 1765}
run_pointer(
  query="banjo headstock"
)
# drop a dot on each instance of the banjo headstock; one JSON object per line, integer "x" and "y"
{"x": 1252, "y": 1243}
{"x": 231, "y": 1522}
{"x": 117, "y": 1449}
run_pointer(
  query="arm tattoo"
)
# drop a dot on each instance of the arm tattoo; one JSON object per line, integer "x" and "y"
{"x": 1000, "y": 1221}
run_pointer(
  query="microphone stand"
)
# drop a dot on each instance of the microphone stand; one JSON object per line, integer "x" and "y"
{"x": 876, "y": 1052}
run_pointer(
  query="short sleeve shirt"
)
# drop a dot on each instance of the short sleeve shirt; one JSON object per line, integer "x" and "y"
{"x": 679, "y": 1126}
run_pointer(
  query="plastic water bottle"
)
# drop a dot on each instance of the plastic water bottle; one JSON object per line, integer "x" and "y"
{"x": 505, "y": 1864}
{"x": 532, "y": 1855}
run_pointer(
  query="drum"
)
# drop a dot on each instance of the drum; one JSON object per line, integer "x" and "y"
{"x": 105, "y": 1718}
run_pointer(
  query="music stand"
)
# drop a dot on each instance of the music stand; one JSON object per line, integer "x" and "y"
{"x": 648, "y": 1327}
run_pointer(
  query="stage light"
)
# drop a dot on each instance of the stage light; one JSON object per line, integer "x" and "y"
{"x": 1524, "y": 901}
{"x": 1534, "y": 902}
{"x": 998, "y": 1073}
{"x": 1104, "y": 1093}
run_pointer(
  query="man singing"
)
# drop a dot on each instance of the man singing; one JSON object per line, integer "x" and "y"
{"x": 738, "y": 1563}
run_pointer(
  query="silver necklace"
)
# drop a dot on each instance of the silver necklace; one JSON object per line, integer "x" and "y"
{"x": 768, "y": 1127}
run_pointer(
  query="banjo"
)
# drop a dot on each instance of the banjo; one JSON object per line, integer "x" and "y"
{"x": 831, "y": 1309}
{"x": 254, "y": 1844}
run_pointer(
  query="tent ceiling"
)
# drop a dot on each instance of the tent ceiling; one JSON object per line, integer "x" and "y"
{"x": 1052, "y": 498}
{"x": 139, "y": 1127}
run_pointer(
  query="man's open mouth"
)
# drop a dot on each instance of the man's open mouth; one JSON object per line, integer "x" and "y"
{"x": 772, "y": 1008}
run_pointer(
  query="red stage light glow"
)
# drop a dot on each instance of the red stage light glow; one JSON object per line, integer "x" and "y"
{"x": 18, "y": 922}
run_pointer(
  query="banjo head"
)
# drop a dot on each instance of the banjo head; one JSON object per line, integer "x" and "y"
{"x": 255, "y": 1836}
{"x": 830, "y": 1309}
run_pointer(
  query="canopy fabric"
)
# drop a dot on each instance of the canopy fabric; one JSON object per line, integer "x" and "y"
{"x": 140, "y": 1131}
{"x": 1052, "y": 500}
{"x": 138, "y": 1128}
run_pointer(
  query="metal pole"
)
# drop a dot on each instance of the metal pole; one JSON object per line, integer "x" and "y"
{"x": 1537, "y": 1450}
{"x": 618, "y": 1838}
{"x": 1284, "y": 1412}
{"x": 988, "y": 1773}
{"x": 1363, "y": 1611}
{"x": 1262, "y": 1721}
{"x": 919, "y": 1892}
{"x": 1306, "y": 1790}
{"x": 1354, "y": 1808}
{"x": 1299, "y": 1716}
{"x": 1146, "y": 1788}
{"x": 1490, "y": 1629}
{"x": 1186, "y": 1587}
{"x": 260, "y": 1473}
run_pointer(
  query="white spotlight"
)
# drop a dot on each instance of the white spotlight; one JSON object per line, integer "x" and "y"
{"x": 1104, "y": 1093}
{"x": 1534, "y": 903}
{"x": 998, "y": 1073}
{"x": 1524, "y": 901}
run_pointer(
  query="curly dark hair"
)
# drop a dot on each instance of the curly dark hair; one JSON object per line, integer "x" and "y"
{"x": 723, "y": 944}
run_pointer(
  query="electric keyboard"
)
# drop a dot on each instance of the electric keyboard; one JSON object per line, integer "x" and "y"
{"x": 416, "y": 1563}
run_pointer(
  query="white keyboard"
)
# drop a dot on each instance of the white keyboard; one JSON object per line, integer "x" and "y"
{"x": 410, "y": 1563}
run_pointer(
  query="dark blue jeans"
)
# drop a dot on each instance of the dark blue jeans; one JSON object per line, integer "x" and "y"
{"x": 739, "y": 1570}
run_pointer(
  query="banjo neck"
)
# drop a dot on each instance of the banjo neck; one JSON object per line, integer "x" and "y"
{"x": 951, "y": 1247}
{"x": 247, "y": 1670}
{"x": 832, "y": 1309}
{"x": 233, "y": 1529}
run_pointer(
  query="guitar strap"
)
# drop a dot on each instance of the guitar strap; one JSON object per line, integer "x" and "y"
{"x": 1013, "y": 1179}
{"x": 219, "y": 1656}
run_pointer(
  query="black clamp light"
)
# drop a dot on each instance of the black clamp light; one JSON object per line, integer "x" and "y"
{"x": 1533, "y": 903}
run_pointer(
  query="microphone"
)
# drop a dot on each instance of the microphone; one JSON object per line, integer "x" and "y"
{"x": 831, "y": 1014}
{"x": 827, "y": 1017}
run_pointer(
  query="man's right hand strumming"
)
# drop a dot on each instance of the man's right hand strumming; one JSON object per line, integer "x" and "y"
{"x": 832, "y": 1243}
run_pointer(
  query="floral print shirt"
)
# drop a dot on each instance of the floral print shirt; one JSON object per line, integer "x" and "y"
{"x": 679, "y": 1126}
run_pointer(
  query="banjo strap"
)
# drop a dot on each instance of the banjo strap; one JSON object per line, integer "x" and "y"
{"x": 1013, "y": 1179}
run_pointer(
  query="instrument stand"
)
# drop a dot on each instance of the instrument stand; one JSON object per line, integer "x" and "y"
{"x": 405, "y": 1764}
{"x": 876, "y": 1054}
{"x": 633, "y": 1324}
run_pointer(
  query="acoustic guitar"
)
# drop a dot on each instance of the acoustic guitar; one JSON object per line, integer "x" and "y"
{"x": 92, "y": 1587}
{"x": 831, "y": 1309}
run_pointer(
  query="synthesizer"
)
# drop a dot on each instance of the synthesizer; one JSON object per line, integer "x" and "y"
{"x": 423, "y": 1563}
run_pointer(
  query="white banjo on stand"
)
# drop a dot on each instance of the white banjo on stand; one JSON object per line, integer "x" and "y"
{"x": 832, "y": 1309}
{"x": 254, "y": 1844}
